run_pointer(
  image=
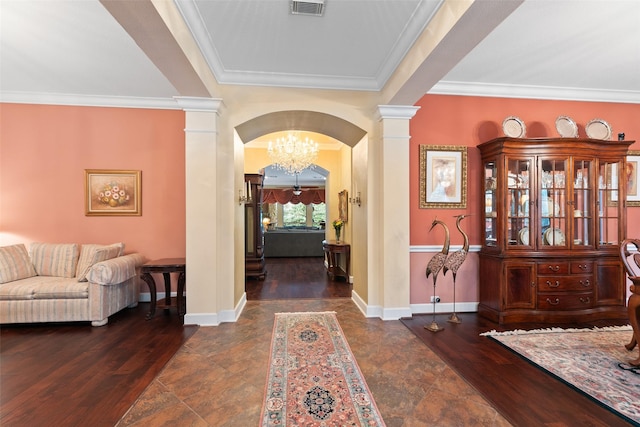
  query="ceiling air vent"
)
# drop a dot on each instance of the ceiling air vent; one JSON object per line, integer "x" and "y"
{"x": 307, "y": 7}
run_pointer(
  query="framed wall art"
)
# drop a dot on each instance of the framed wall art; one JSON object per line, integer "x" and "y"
{"x": 443, "y": 176}
{"x": 343, "y": 205}
{"x": 632, "y": 170}
{"x": 113, "y": 192}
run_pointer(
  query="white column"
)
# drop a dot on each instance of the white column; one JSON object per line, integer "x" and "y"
{"x": 391, "y": 213}
{"x": 204, "y": 193}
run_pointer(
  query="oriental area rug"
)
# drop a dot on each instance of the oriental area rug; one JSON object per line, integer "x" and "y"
{"x": 313, "y": 378}
{"x": 592, "y": 361}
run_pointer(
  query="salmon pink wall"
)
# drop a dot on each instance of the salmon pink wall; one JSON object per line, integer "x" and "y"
{"x": 468, "y": 121}
{"x": 44, "y": 151}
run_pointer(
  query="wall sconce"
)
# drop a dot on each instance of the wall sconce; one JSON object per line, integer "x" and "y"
{"x": 356, "y": 200}
{"x": 244, "y": 195}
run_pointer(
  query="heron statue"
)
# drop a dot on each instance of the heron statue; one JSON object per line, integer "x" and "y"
{"x": 453, "y": 263}
{"x": 433, "y": 268}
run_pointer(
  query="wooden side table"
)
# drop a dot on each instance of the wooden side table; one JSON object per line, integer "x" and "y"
{"x": 166, "y": 266}
{"x": 333, "y": 253}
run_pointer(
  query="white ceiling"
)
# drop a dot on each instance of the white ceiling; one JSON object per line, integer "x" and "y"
{"x": 124, "y": 52}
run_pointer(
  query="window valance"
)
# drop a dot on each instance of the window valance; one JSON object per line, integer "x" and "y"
{"x": 285, "y": 195}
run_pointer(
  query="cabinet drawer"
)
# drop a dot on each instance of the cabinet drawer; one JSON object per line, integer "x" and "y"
{"x": 553, "y": 268}
{"x": 565, "y": 283}
{"x": 565, "y": 301}
{"x": 581, "y": 267}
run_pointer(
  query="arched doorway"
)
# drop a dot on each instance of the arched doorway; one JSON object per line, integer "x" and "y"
{"x": 335, "y": 136}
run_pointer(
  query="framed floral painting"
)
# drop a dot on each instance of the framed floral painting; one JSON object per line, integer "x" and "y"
{"x": 113, "y": 192}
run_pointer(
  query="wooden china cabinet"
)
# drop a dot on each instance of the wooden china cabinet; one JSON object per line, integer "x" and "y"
{"x": 254, "y": 264}
{"x": 553, "y": 216}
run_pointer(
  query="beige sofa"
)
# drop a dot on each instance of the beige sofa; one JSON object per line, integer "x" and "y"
{"x": 66, "y": 282}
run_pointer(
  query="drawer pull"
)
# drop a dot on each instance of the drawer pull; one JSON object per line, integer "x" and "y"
{"x": 556, "y": 302}
{"x": 583, "y": 267}
{"x": 553, "y": 285}
{"x": 586, "y": 300}
{"x": 585, "y": 283}
{"x": 556, "y": 268}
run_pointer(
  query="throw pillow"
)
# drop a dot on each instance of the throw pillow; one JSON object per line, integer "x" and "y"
{"x": 91, "y": 254}
{"x": 54, "y": 259}
{"x": 15, "y": 263}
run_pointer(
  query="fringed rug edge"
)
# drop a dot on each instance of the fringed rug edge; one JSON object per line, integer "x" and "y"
{"x": 493, "y": 332}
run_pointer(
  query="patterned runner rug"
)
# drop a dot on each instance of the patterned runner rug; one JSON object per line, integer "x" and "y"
{"x": 593, "y": 361}
{"x": 313, "y": 377}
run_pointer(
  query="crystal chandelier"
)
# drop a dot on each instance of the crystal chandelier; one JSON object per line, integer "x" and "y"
{"x": 293, "y": 154}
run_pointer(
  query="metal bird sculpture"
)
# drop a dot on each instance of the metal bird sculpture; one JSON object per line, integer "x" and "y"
{"x": 453, "y": 263}
{"x": 436, "y": 263}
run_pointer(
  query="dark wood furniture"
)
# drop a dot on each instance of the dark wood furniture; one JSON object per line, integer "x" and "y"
{"x": 166, "y": 266}
{"x": 337, "y": 257}
{"x": 254, "y": 266}
{"x": 633, "y": 305}
{"x": 553, "y": 218}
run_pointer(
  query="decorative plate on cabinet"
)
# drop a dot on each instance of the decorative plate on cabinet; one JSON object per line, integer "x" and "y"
{"x": 554, "y": 237}
{"x": 514, "y": 127}
{"x": 566, "y": 127}
{"x": 523, "y": 235}
{"x": 598, "y": 129}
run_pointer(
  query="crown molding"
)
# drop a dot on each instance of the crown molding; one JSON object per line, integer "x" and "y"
{"x": 89, "y": 100}
{"x": 535, "y": 92}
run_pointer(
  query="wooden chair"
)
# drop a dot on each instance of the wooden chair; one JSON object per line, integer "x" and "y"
{"x": 633, "y": 305}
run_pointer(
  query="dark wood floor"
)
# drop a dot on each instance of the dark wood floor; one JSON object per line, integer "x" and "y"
{"x": 73, "y": 374}
{"x": 521, "y": 392}
{"x": 77, "y": 375}
{"x": 289, "y": 278}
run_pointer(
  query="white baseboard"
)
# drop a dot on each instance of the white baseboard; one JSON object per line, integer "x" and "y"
{"x": 201, "y": 319}
{"x": 146, "y": 296}
{"x": 207, "y": 319}
{"x": 378, "y": 311}
{"x": 446, "y": 307}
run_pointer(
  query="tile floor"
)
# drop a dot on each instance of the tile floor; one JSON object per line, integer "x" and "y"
{"x": 218, "y": 377}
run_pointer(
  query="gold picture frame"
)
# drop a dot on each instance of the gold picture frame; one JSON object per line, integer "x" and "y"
{"x": 343, "y": 205}
{"x": 632, "y": 171}
{"x": 113, "y": 192}
{"x": 443, "y": 176}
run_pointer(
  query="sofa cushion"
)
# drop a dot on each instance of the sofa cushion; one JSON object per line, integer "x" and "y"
{"x": 54, "y": 259}
{"x": 91, "y": 254}
{"x": 44, "y": 287}
{"x": 15, "y": 263}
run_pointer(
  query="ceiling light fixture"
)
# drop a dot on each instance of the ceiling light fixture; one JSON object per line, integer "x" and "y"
{"x": 293, "y": 154}
{"x": 296, "y": 188}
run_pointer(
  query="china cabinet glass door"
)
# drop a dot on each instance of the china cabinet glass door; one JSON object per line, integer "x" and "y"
{"x": 607, "y": 203}
{"x": 490, "y": 203}
{"x": 553, "y": 202}
{"x": 518, "y": 202}
{"x": 582, "y": 203}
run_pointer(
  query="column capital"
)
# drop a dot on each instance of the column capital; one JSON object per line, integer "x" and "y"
{"x": 396, "y": 111}
{"x": 206, "y": 105}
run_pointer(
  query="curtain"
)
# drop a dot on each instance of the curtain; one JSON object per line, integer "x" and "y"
{"x": 284, "y": 196}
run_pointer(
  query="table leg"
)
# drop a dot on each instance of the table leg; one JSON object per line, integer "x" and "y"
{"x": 148, "y": 278}
{"x": 179, "y": 298}
{"x": 167, "y": 289}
